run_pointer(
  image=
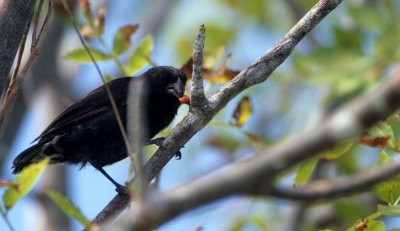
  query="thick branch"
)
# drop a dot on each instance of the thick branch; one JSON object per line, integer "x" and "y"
{"x": 14, "y": 18}
{"x": 113, "y": 208}
{"x": 328, "y": 189}
{"x": 258, "y": 72}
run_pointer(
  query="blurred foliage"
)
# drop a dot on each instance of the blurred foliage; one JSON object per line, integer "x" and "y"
{"x": 68, "y": 207}
{"x": 93, "y": 29}
{"x": 305, "y": 170}
{"x": 347, "y": 55}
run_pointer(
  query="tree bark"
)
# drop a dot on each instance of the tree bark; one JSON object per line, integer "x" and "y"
{"x": 14, "y": 18}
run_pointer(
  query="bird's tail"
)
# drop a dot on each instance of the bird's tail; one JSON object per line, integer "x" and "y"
{"x": 31, "y": 155}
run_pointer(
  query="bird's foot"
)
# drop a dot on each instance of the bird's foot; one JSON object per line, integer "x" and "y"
{"x": 122, "y": 190}
{"x": 178, "y": 155}
{"x": 158, "y": 141}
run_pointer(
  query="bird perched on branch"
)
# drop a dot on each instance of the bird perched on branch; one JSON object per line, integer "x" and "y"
{"x": 88, "y": 132}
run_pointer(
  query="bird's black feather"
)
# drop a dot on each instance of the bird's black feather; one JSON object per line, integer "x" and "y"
{"x": 87, "y": 131}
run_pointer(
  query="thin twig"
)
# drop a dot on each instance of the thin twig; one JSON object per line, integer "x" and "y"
{"x": 112, "y": 101}
{"x": 328, "y": 189}
{"x": 36, "y": 23}
{"x": 10, "y": 226}
{"x": 198, "y": 98}
{"x": 21, "y": 50}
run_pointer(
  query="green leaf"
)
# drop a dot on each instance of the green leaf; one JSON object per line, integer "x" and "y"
{"x": 107, "y": 77}
{"x": 388, "y": 191}
{"x": 259, "y": 221}
{"x": 305, "y": 170}
{"x": 211, "y": 59}
{"x": 338, "y": 151}
{"x": 141, "y": 55}
{"x": 122, "y": 39}
{"x": 389, "y": 210}
{"x": 81, "y": 56}
{"x": 348, "y": 210}
{"x": 368, "y": 16}
{"x": 383, "y": 129}
{"x": 68, "y": 207}
{"x": 384, "y": 158}
{"x": 237, "y": 225}
{"x": 24, "y": 182}
{"x": 375, "y": 226}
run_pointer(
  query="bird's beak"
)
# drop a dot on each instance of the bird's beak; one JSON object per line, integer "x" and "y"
{"x": 177, "y": 89}
{"x": 184, "y": 100}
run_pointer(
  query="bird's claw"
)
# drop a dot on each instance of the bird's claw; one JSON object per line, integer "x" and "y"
{"x": 178, "y": 155}
{"x": 122, "y": 190}
{"x": 158, "y": 141}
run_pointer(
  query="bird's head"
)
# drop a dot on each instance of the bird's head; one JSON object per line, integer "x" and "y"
{"x": 167, "y": 80}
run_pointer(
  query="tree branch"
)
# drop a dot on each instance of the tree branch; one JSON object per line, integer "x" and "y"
{"x": 257, "y": 174}
{"x": 17, "y": 78}
{"x": 257, "y": 72}
{"x": 14, "y": 18}
{"x": 328, "y": 189}
{"x": 198, "y": 98}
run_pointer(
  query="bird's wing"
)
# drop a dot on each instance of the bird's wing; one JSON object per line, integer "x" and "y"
{"x": 94, "y": 104}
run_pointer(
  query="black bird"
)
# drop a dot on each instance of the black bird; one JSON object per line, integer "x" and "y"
{"x": 87, "y": 131}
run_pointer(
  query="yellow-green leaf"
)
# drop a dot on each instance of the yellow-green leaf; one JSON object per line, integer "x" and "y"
{"x": 210, "y": 59}
{"x": 68, "y": 207}
{"x": 24, "y": 182}
{"x": 389, "y": 210}
{"x": 237, "y": 224}
{"x": 375, "y": 226}
{"x": 388, "y": 191}
{"x": 384, "y": 158}
{"x": 141, "y": 55}
{"x": 81, "y": 56}
{"x": 305, "y": 170}
{"x": 122, "y": 39}
{"x": 259, "y": 221}
{"x": 338, "y": 151}
{"x": 243, "y": 111}
{"x": 383, "y": 129}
